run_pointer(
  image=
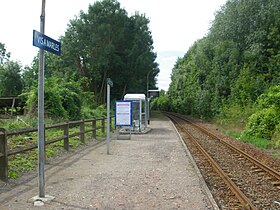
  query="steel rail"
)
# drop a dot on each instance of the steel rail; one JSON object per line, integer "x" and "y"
{"x": 266, "y": 168}
{"x": 238, "y": 193}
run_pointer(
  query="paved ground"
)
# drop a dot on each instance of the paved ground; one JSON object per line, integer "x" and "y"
{"x": 150, "y": 171}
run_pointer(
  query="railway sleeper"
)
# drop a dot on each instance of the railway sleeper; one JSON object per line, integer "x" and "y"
{"x": 262, "y": 173}
{"x": 276, "y": 183}
{"x": 257, "y": 170}
{"x": 237, "y": 155}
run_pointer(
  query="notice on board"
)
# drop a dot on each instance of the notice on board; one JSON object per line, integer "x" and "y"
{"x": 123, "y": 113}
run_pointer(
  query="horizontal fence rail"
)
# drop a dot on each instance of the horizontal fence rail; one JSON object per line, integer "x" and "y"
{"x": 65, "y": 127}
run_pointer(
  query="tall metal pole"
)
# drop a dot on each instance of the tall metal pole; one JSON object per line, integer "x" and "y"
{"x": 108, "y": 118}
{"x": 41, "y": 135}
{"x": 148, "y": 101}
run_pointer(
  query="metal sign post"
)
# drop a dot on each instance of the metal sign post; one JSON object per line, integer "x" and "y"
{"x": 44, "y": 43}
{"x": 109, "y": 84}
{"x": 41, "y": 135}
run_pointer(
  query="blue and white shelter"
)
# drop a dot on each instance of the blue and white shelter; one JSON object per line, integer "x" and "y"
{"x": 139, "y": 110}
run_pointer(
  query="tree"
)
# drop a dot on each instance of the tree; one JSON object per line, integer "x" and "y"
{"x": 106, "y": 43}
{"x": 10, "y": 79}
{"x": 233, "y": 65}
{"x": 4, "y": 55}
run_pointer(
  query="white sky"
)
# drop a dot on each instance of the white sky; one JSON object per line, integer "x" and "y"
{"x": 175, "y": 25}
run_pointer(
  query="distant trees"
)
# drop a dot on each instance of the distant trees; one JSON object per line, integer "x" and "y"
{"x": 10, "y": 78}
{"x": 99, "y": 44}
{"x": 225, "y": 73}
{"x": 4, "y": 55}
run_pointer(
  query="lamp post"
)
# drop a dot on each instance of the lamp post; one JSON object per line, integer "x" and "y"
{"x": 148, "y": 99}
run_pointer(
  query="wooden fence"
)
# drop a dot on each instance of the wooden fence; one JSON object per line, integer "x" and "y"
{"x": 4, "y": 136}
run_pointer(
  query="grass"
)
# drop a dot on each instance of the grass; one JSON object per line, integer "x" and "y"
{"x": 258, "y": 142}
{"x": 157, "y": 115}
{"x": 24, "y": 162}
{"x": 233, "y": 124}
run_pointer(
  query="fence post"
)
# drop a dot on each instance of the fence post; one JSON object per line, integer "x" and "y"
{"x": 111, "y": 124}
{"x": 82, "y": 131}
{"x": 103, "y": 125}
{"x": 66, "y": 133}
{"x": 94, "y": 128}
{"x": 3, "y": 155}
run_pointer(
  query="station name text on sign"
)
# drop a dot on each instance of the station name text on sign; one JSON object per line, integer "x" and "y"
{"x": 46, "y": 43}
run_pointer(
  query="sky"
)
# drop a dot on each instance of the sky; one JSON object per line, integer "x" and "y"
{"x": 175, "y": 26}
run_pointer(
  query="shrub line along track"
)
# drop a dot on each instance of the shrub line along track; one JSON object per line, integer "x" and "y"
{"x": 268, "y": 175}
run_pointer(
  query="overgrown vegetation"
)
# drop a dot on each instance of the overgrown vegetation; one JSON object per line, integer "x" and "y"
{"x": 24, "y": 162}
{"x": 232, "y": 75}
{"x": 265, "y": 122}
{"x": 102, "y": 43}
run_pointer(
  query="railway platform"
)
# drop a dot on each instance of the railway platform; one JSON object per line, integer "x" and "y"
{"x": 149, "y": 171}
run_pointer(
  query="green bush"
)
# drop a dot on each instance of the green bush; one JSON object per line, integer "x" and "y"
{"x": 71, "y": 99}
{"x": 234, "y": 115}
{"x": 265, "y": 122}
{"x": 160, "y": 103}
{"x": 88, "y": 112}
{"x": 53, "y": 99}
{"x": 62, "y": 99}
{"x": 262, "y": 124}
{"x": 276, "y": 136}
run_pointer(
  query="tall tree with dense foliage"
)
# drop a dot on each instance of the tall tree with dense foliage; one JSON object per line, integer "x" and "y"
{"x": 225, "y": 73}
{"x": 106, "y": 43}
{"x": 102, "y": 43}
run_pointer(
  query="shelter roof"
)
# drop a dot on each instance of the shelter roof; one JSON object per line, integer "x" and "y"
{"x": 135, "y": 96}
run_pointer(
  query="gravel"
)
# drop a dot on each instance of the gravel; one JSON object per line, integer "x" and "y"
{"x": 149, "y": 171}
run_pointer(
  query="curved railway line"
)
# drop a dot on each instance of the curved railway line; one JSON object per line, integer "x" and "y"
{"x": 236, "y": 179}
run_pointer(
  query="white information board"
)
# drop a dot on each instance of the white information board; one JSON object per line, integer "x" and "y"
{"x": 123, "y": 113}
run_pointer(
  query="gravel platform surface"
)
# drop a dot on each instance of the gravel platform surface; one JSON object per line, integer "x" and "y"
{"x": 149, "y": 171}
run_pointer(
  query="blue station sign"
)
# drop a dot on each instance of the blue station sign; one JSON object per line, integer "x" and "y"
{"x": 46, "y": 43}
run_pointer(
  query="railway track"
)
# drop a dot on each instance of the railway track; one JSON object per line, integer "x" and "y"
{"x": 236, "y": 179}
